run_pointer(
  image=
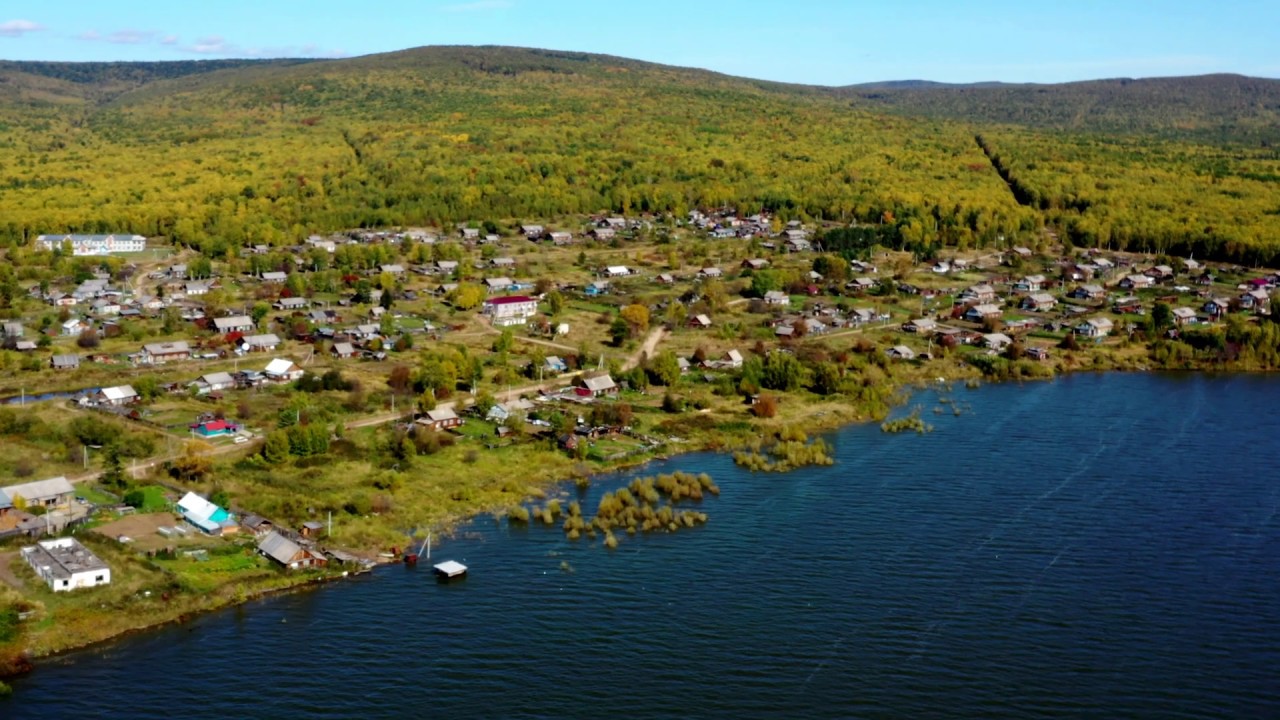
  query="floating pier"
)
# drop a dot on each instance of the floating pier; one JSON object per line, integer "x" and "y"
{"x": 450, "y": 569}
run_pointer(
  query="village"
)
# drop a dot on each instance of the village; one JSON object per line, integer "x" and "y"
{"x": 352, "y": 362}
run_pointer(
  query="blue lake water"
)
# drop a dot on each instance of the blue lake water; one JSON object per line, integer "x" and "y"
{"x": 1098, "y": 546}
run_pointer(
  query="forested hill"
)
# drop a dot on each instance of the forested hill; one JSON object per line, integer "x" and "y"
{"x": 96, "y": 82}
{"x": 1229, "y": 108}
{"x": 220, "y": 154}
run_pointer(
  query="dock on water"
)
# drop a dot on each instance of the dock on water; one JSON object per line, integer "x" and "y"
{"x": 450, "y": 569}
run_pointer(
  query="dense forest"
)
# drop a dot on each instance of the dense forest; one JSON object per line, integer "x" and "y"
{"x": 1207, "y": 108}
{"x": 222, "y": 155}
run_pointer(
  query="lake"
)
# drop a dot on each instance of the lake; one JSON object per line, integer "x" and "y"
{"x": 1097, "y": 546}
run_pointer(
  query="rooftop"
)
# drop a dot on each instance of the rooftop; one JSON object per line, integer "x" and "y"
{"x": 63, "y": 557}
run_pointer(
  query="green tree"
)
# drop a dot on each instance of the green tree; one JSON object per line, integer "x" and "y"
{"x": 619, "y": 330}
{"x": 636, "y": 317}
{"x": 782, "y": 371}
{"x": 484, "y": 402}
{"x": 112, "y": 469}
{"x": 260, "y": 310}
{"x": 466, "y": 296}
{"x": 555, "y": 303}
{"x": 826, "y": 378}
{"x": 1161, "y": 317}
{"x": 664, "y": 368}
{"x": 276, "y": 447}
{"x": 764, "y": 282}
{"x": 831, "y": 267}
{"x": 504, "y": 342}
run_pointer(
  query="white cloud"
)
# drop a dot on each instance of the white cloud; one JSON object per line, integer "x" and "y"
{"x": 478, "y": 6}
{"x": 17, "y": 28}
{"x": 169, "y": 40}
{"x": 89, "y": 35}
{"x": 211, "y": 45}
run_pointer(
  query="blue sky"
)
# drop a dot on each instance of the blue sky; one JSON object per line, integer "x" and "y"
{"x": 830, "y": 42}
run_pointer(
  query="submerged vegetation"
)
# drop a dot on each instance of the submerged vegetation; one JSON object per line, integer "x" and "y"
{"x": 909, "y": 423}
{"x": 790, "y": 450}
{"x": 645, "y": 505}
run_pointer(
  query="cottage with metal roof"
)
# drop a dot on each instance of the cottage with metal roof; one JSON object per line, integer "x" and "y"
{"x": 290, "y": 303}
{"x": 597, "y": 384}
{"x": 205, "y": 515}
{"x": 160, "y": 353}
{"x": 214, "y": 382}
{"x": 282, "y": 370}
{"x": 289, "y": 553}
{"x": 235, "y": 323}
{"x": 258, "y": 343}
{"x": 118, "y": 396}
{"x": 65, "y": 362}
{"x": 51, "y": 493}
{"x": 439, "y": 419}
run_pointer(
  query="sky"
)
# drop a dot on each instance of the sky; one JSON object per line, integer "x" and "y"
{"x": 823, "y": 42}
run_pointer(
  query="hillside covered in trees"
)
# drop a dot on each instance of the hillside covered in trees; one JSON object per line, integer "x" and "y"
{"x": 220, "y": 155}
{"x": 1214, "y": 108}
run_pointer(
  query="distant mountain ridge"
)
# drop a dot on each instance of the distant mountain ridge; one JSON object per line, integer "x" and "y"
{"x": 1219, "y": 107}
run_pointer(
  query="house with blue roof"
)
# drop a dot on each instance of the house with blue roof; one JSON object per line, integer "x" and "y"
{"x": 205, "y": 515}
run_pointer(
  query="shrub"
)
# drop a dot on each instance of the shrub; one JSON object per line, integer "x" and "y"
{"x": 766, "y": 406}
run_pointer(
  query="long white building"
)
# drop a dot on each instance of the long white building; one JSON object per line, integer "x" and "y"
{"x": 94, "y": 244}
{"x": 65, "y": 564}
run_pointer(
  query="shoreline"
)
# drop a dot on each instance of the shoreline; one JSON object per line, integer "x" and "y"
{"x": 819, "y": 423}
{"x": 813, "y": 424}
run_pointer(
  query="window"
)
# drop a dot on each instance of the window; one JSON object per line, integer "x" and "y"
{"x": 66, "y": 583}
{"x": 98, "y": 579}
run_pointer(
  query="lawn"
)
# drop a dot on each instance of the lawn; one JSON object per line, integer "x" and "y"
{"x": 154, "y": 498}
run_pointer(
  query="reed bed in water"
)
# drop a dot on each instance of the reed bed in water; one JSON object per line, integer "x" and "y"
{"x": 792, "y": 449}
{"x": 645, "y": 505}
